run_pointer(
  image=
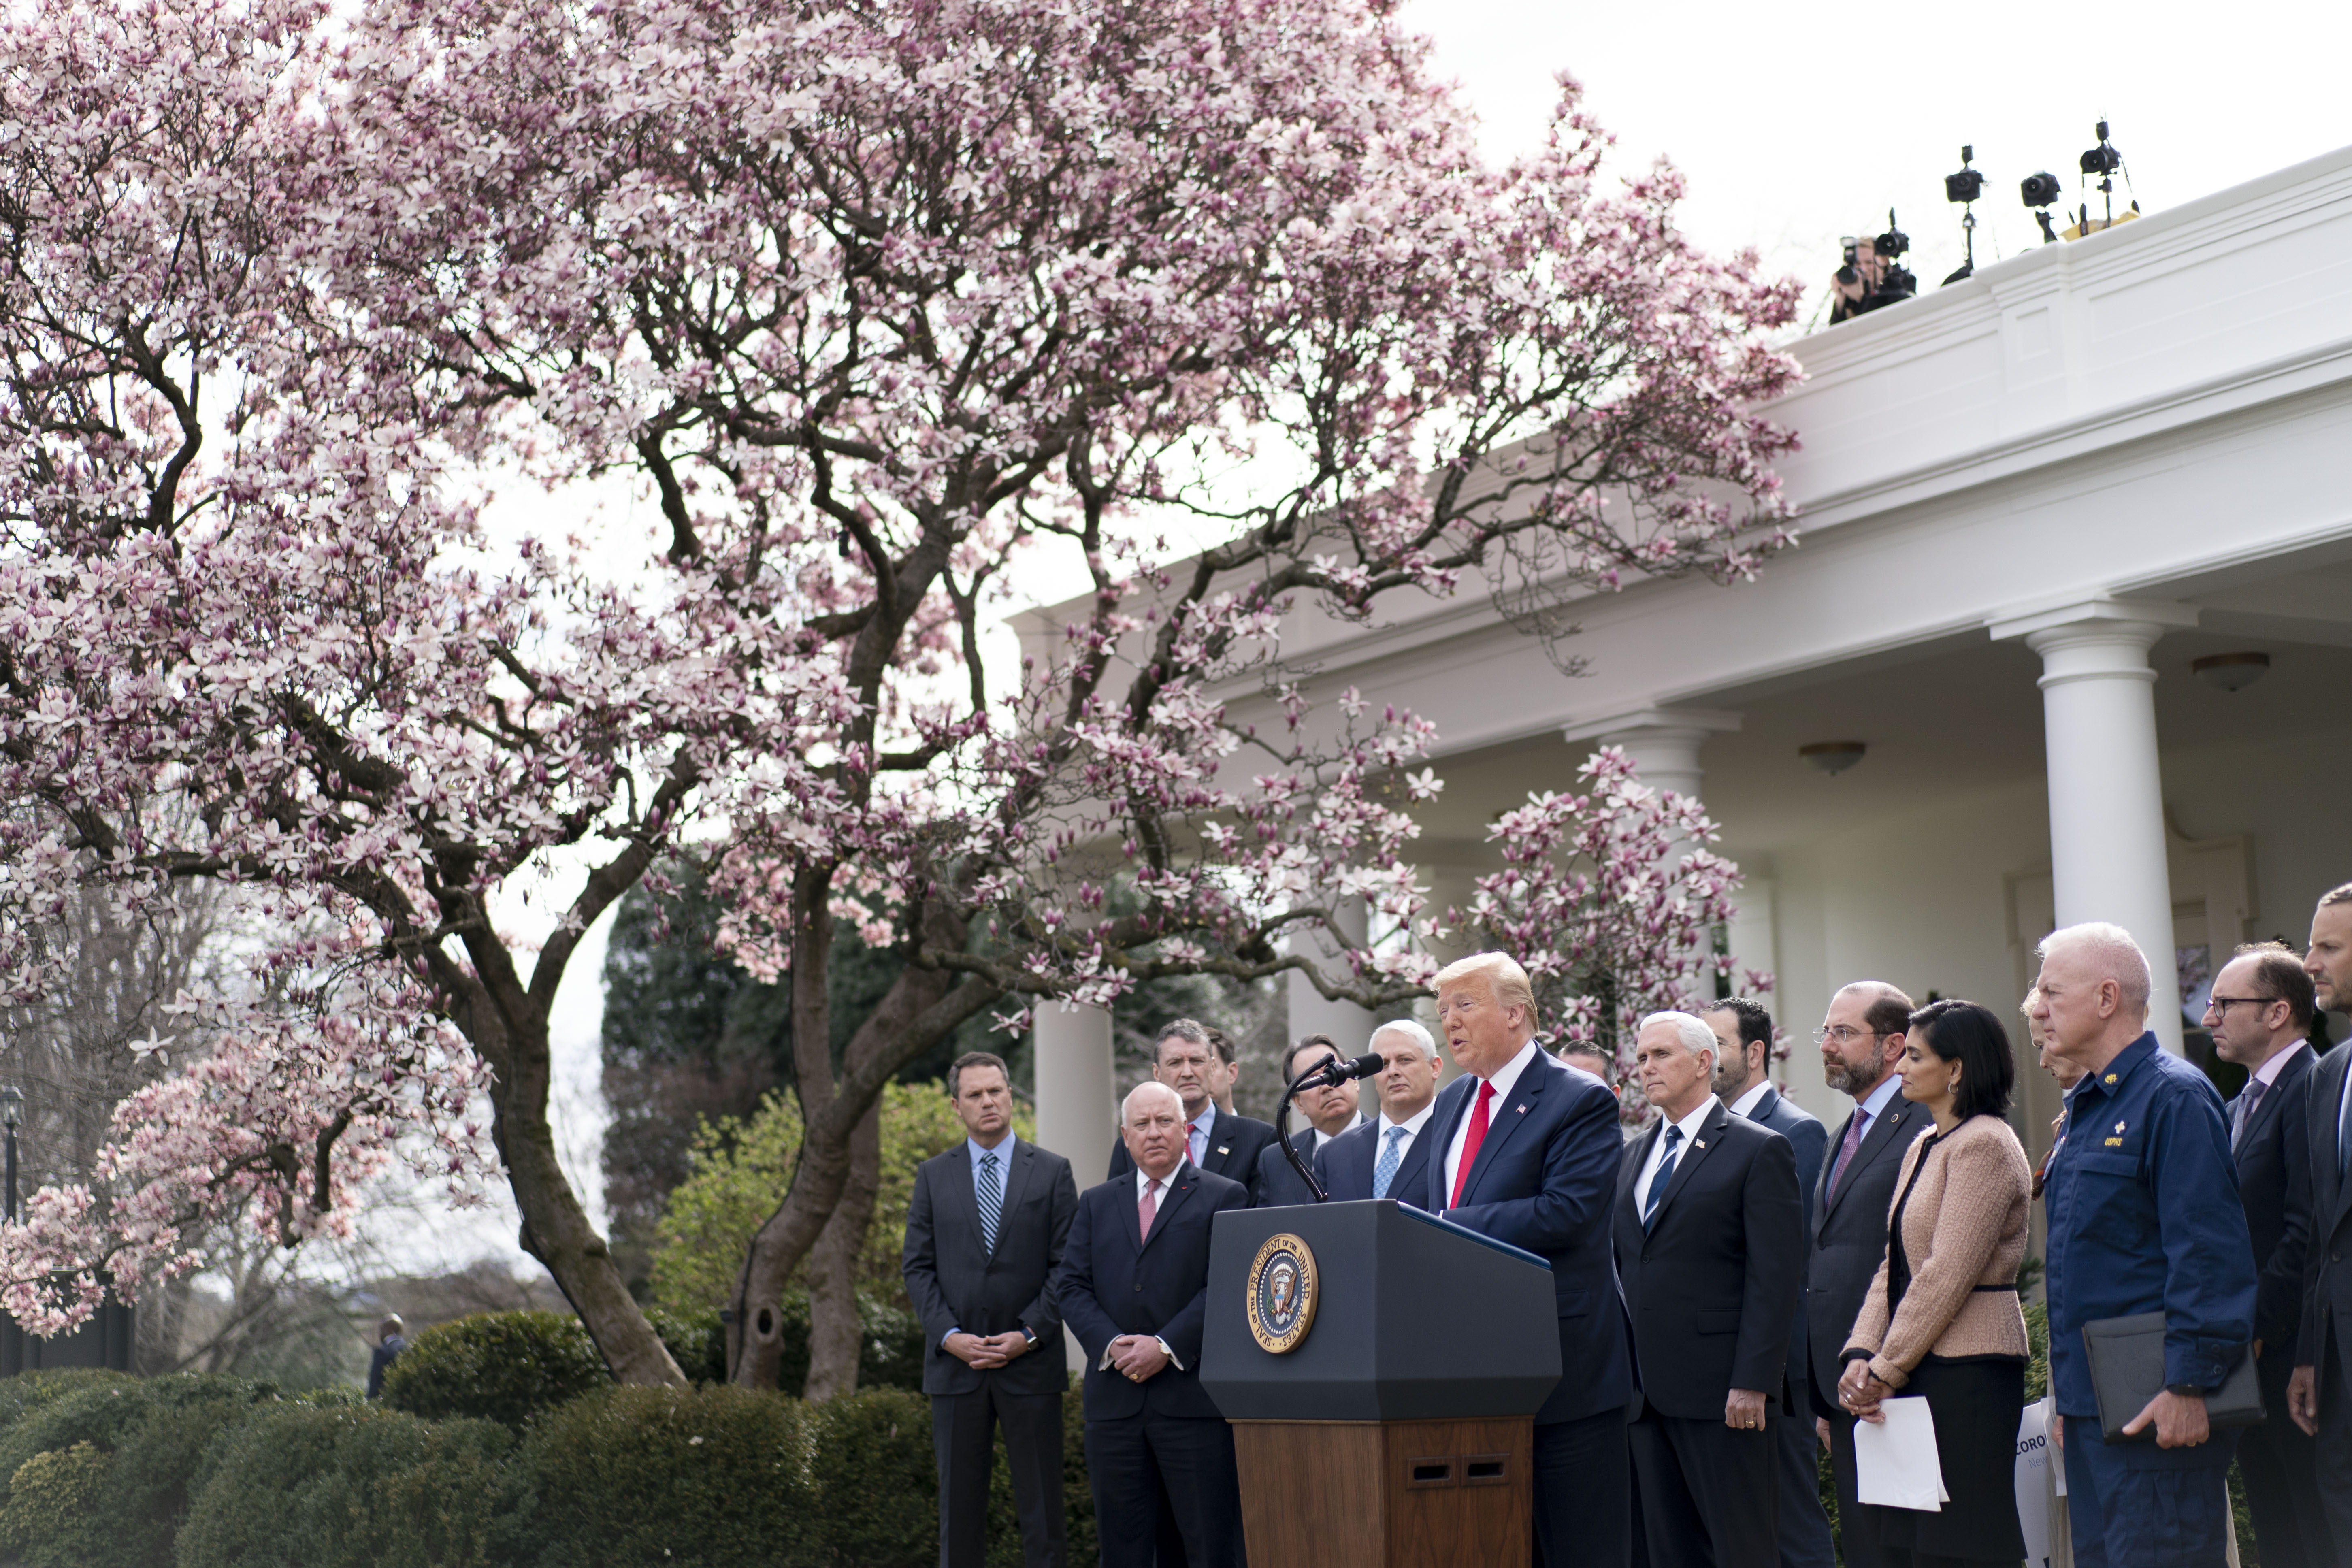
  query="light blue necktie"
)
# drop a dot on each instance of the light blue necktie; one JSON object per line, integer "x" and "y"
{"x": 1385, "y": 1172}
{"x": 1658, "y": 1183}
{"x": 991, "y": 1200}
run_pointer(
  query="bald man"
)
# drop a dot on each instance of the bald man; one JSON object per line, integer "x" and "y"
{"x": 1133, "y": 1287}
{"x": 2144, "y": 1214}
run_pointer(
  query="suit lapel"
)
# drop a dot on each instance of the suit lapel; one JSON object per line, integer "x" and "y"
{"x": 1766, "y": 1107}
{"x": 1629, "y": 1171}
{"x": 1016, "y": 1175}
{"x": 962, "y": 1196}
{"x": 2297, "y": 1065}
{"x": 1180, "y": 1187}
{"x": 1508, "y": 1114}
{"x": 1709, "y": 1139}
{"x": 2327, "y": 1087}
{"x": 1899, "y": 1114}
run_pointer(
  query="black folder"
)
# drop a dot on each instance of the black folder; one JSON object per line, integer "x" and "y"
{"x": 2126, "y": 1357}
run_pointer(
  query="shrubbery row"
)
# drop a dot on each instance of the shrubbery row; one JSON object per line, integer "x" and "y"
{"x": 545, "y": 1465}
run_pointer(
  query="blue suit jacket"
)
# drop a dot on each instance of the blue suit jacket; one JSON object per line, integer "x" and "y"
{"x": 1345, "y": 1164}
{"x": 2143, "y": 1217}
{"x": 1545, "y": 1180}
{"x": 1114, "y": 1281}
{"x": 1810, "y": 1142}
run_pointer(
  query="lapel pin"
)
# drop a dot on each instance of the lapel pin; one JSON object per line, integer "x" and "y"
{"x": 1523, "y": 1110}
{"x": 1701, "y": 1143}
{"x": 1222, "y": 1150}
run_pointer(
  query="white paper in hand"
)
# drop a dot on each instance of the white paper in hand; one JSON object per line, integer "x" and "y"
{"x": 1895, "y": 1462}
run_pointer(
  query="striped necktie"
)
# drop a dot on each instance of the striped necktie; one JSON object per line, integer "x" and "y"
{"x": 991, "y": 1200}
{"x": 1658, "y": 1183}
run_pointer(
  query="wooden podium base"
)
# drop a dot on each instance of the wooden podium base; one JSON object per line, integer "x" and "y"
{"x": 1398, "y": 1494}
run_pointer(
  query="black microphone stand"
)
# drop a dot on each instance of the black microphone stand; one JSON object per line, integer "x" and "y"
{"x": 1282, "y": 1130}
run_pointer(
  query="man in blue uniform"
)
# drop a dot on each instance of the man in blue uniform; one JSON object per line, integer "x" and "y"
{"x": 2143, "y": 1217}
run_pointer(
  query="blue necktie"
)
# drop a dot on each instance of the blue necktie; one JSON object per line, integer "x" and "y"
{"x": 1658, "y": 1183}
{"x": 1385, "y": 1172}
{"x": 991, "y": 1200}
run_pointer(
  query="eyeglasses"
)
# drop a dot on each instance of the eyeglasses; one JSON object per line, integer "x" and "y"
{"x": 1846, "y": 1035}
{"x": 2223, "y": 1004}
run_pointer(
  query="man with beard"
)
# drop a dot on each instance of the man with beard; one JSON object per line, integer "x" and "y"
{"x": 2320, "y": 1393}
{"x": 1861, "y": 1040}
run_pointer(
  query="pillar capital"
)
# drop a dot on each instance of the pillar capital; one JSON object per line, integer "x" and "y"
{"x": 2101, "y": 622}
{"x": 1662, "y": 741}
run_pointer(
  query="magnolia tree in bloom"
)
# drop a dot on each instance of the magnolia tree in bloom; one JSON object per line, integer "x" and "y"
{"x": 890, "y": 314}
{"x": 1611, "y": 899}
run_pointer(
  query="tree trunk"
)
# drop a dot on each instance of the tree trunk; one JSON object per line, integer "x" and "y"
{"x": 836, "y": 1334}
{"x": 555, "y": 1228}
{"x": 919, "y": 1009}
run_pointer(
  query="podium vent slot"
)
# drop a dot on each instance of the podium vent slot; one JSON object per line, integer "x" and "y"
{"x": 1486, "y": 1470}
{"x": 1430, "y": 1472}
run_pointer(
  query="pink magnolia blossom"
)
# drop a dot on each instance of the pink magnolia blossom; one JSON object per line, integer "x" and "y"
{"x": 878, "y": 308}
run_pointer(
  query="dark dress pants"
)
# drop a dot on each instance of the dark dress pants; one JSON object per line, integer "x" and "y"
{"x": 1583, "y": 1492}
{"x": 2280, "y": 1464}
{"x": 1804, "y": 1528}
{"x": 2332, "y": 1455}
{"x": 1710, "y": 1495}
{"x": 1135, "y": 1462}
{"x": 1857, "y": 1531}
{"x": 962, "y": 1434}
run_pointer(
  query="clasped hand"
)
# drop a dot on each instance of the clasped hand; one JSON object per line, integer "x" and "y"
{"x": 1861, "y": 1392}
{"x": 986, "y": 1351}
{"x": 1138, "y": 1357}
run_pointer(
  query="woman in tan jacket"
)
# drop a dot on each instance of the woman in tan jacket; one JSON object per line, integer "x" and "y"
{"x": 1942, "y": 1320}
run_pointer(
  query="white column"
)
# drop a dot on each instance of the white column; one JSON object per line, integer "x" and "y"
{"x": 2106, "y": 793}
{"x": 1309, "y": 1012}
{"x": 1663, "y": 743}
{"x": 1077, "y": 1108}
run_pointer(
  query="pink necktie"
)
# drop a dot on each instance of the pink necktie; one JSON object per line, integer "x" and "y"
{"x": 1145, "y": 1208}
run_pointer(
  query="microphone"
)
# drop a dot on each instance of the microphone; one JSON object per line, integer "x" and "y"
{"x": 1336, "y": 1071}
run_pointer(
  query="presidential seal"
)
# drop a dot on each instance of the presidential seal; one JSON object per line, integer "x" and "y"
{"x": 1281, "y": 1294}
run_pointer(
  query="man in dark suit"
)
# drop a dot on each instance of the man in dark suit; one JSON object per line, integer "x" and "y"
{"x": 1133, "y": 1287}
{"x": 1743, "y": 1033}
{"x": 984, "y": 1233}
{"x": 2320, "y": 1394}
{"x": 1185, "y": 1058}
{"x": 1861, "y": 1040}
{"x": 1388, "y": 1157}
{"x": 1525, "y": 1149}
{"x": 1329, "y": 1112}
{"x": 2259, "y": 1014}
{"x": 1709, "y": 1234}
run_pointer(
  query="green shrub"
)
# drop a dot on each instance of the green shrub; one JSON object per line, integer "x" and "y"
{"x": 680, "y": 1477}
{"x": 153, "y": 1432}
{"x": 2037, "y": 1364}
{"x": 495, "y": 1366}
{"x": 52, "y": 1519}
{"x": 334, "y": 1486}
{"x": 697, "y": 1343}
{"x": 876, "y": 1477}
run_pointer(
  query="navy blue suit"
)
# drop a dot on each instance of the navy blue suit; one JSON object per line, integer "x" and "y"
{"x": 1804, "y": 1528}
{"x": 1345, "y": 1165}
{"x": 2143, "y": 1217}
{"x": 2272, "y": 1154}
{"x": 1276, "y": 1183}
{"x": 1163, "y": 1436}
{"x": 1545, "y": 1180}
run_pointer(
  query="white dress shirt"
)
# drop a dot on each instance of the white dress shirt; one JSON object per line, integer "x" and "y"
{"x": 1745, "y": 1104}
{"x": 1322, "y": 1137}
{"x": 1504, "y": 1081}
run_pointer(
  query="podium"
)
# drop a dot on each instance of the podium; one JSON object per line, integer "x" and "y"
{"x": 1381, "y": 1369}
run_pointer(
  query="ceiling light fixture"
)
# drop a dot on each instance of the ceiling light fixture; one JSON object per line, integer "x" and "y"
{"x": 2230, "y": 672}
{"x": 1832, "y": 757}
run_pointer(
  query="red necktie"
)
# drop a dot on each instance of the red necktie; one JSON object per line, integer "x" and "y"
{"x": 1476, "y": 1136}
{"x": 1145, "y": 1208}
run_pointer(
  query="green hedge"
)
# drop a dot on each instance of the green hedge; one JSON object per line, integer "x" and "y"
{"x": 98, "y": 1471}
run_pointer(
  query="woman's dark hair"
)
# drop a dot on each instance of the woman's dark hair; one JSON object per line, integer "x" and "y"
{"x": 1971, "y": 1036}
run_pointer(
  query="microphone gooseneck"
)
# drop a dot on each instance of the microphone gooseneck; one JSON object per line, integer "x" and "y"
{"x": 1323, "y": 1075}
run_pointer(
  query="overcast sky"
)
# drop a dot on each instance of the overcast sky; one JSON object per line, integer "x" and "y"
{"x": 1795, "y": 124}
